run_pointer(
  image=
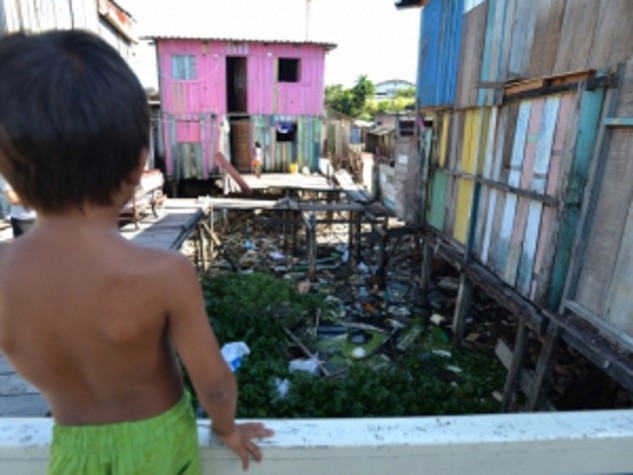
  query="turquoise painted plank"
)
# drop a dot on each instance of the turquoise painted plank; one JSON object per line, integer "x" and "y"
{"x": 589, "y": 118}
{"x": 619, "y": 122}
{"x": 438, "y": 200}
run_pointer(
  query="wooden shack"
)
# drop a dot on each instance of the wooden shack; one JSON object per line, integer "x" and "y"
{"x": 225, "y": 94}
{"x": 527, "y": 177}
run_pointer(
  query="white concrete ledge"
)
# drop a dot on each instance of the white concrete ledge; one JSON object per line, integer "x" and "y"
{"x": 592, "y": 442}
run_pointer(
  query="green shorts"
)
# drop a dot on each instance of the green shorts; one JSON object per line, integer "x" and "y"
{"x": 166, "y": 444}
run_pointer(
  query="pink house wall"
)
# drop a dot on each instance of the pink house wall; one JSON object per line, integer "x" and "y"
{"x": 207, "y": 92}
{"x": 190, "y": 103}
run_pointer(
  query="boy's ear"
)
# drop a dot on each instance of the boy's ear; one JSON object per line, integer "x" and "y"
{"x": 134, "y": 178}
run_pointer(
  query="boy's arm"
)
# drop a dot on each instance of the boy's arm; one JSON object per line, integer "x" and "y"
{"x": 196, "y": 344}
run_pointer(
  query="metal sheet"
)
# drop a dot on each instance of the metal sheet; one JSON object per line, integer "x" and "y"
{"x": 440, "y": 38}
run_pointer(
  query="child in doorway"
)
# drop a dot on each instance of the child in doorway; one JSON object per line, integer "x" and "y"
{"x": 93, "y": 321}
{"x": 256, "y": 164}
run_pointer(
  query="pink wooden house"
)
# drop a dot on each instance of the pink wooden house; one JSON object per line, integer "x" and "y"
{"x": 227, "y": 95}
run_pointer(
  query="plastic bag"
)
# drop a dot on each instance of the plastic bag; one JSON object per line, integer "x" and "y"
{"x": 233, "y": 353}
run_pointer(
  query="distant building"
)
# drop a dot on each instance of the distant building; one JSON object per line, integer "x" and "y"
{"x": 223, "y": 95}
{"x": 106, "y": 18}
{"x": 389, "y": 89}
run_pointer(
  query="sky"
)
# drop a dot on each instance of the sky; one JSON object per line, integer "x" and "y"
{"x": 372, "y": 37}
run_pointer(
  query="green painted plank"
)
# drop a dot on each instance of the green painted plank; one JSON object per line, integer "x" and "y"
{"x": 438, "y": 200}
{"x": 619, "y": 122}
{"x": 589, "y": 119}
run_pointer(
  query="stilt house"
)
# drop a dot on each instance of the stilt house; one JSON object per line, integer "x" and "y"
{"x": 225, "y": 94}
{"x": 525, "y": 118}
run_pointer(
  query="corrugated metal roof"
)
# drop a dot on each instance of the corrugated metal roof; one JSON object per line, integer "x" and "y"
{"x": 328, "y": 46}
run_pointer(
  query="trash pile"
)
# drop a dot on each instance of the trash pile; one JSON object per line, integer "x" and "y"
{"x": 351, "y": 334}
{"x": 354, "y": 335}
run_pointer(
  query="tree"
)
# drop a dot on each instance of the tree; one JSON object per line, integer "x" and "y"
{"x": 353, "y": 101}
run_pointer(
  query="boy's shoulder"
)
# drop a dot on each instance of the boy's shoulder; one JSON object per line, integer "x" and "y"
{"x": 167, "y": 266}
{"x": 159, "y": 259}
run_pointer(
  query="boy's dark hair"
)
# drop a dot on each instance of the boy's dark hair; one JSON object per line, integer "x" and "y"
{"x": 74, "y": 119}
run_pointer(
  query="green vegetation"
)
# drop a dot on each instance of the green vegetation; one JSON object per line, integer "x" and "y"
{"x": 255, "y": 309}
{"x": 351, "y": 102}
{"x": 358, "y": 101}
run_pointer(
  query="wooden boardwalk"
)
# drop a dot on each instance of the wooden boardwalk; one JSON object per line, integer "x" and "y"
{"x": 173, "y": 225}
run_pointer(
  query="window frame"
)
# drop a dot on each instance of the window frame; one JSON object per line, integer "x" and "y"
{"x": 183, "y": 67}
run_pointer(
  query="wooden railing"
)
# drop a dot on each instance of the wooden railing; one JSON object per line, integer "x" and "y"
{"x": 592, "y": 442}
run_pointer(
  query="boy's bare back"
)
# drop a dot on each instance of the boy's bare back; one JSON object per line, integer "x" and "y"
{"x": 92, "y": 320}
{"x": 84, "y": 317}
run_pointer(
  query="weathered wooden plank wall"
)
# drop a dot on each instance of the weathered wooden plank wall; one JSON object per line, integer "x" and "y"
{"x": 608, "y": 230}
{"x": 473, "y": 30}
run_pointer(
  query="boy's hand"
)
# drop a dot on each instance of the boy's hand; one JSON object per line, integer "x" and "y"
{"x": 240, "y": 441}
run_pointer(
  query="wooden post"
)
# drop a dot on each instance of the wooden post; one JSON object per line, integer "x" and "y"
{"x": 294, "y": 231}
{"x": 544, "y": 367}
{"x": 516, "y": 366}
{"x": 425, "y": 275}
{"x": 211, "y": 225}
{"x": 312, "y": 248}
{"x": 284, "y": 218}
{"x": 461, "y": 308}
{"x": 357, "y": 227}
{"x": 350, "y": 242}
{"x": 381, "y": 263}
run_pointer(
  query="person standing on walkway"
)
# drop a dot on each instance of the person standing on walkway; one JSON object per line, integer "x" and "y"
{"x": 101, "y": 326}
{"x": 22, "y": 217}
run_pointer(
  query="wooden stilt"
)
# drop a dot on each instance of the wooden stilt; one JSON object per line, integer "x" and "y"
{"x": 357, "y": 228}
{"x": 516, "y": 366}
{"x": 294, "y": 232}
{"x": 425, "y": 275}
{"x": 461, "y": 309}
{"x": 350, "y": 241}
{"x": 312, "y": 247}
{"x": 284, "y": 215}
{"x": 381, "y": 263}
{"x": 544, "y": 367}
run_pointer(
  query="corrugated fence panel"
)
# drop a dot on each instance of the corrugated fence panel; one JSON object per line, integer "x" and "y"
{"x": 440, "y": 42}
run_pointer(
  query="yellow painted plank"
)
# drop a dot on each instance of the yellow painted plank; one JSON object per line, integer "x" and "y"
{"x": 446, "y": 119}
{"x": 462, "y": 215}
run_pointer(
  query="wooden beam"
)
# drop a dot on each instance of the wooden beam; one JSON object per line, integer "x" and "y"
{"x": 544, "y": 367}
{"x": 226, "y": 165}
{"x": 461, "y": 308}
{"x": 525, "y": 377}
{"x": 516, "y": 366}
{"x": 619, "y": 122}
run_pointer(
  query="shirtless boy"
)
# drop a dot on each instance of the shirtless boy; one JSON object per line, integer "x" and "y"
{"x": 90, "y": 319}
